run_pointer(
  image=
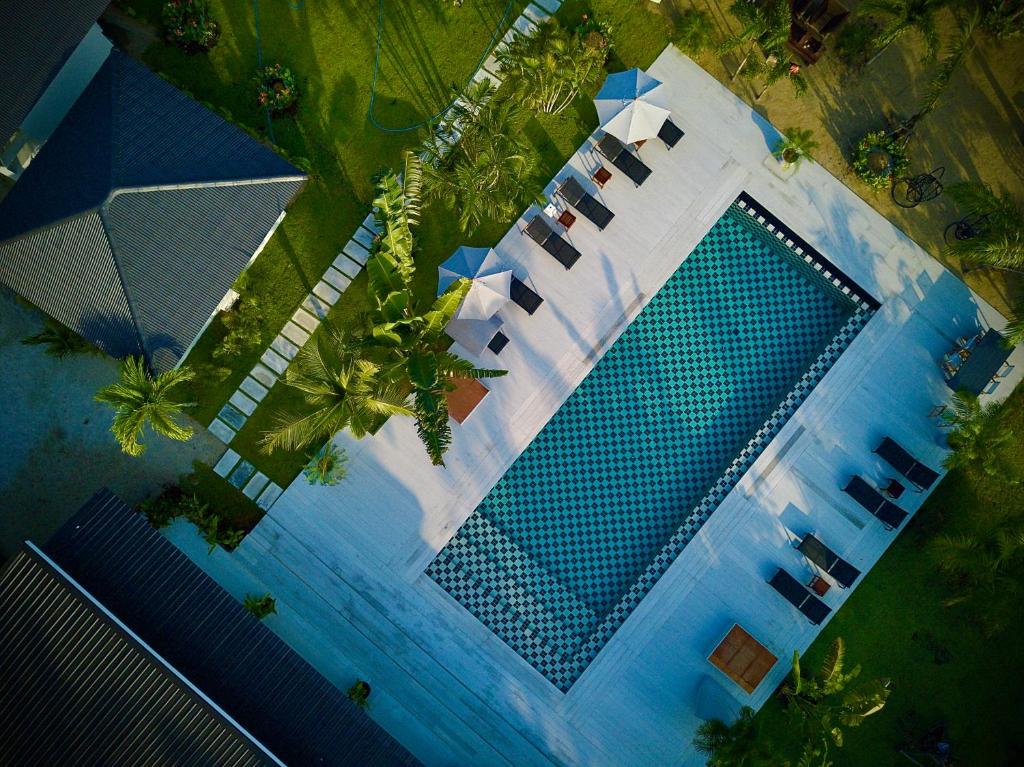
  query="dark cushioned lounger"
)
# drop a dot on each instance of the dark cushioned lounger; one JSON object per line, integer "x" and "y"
{"x": 542, "y": 234}
{"x": 523, "y": 296}
{"x": 888, "y": 512}
{"x": 918, "y": 474}
{"x": 841, "y": 571}
{"x": 499, "y": 342}
{"x": 623, "y": 159}
{"x": 670, "y": 133}
{"x": 797, "y": 595}
{"x": 585, "y": 203}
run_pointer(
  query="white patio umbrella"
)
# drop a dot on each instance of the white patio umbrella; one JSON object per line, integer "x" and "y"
{"x": 474, "y": 335}
{"x": 631, "y": 106}
{"x": 491, "y": 281}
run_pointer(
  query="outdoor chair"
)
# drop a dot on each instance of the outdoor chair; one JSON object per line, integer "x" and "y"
{"x": 797, "y": 595}
{"x": 841, "y": 571}
{"x": 499, "y": 342}
{"x": 670, "y": 133}
{"x": 919, "y": 475}
{"x": 623, "y": 159}
{"x": 887, "y": 512}
{"x": 538, "y": 231}
{"x": 523, "y": 296}
{"x": 585, "y": 203}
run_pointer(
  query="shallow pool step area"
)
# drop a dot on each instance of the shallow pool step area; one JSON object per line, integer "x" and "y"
{"x": 295, "y": 333}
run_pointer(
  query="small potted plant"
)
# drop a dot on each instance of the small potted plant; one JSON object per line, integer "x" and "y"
{"x": 260, "y": 606}
{"x": 276, "y": 89}
{"x": 326, "y": 466}
{"x": 189, "y": 25}
{"x": 879, "y": 158}
{"x": 795, "y": 146}
{"x": 359, "y": 693}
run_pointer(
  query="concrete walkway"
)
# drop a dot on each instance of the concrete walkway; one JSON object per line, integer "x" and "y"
{"x": 58, "y": 447}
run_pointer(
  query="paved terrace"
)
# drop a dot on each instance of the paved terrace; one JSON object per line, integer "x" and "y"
{"x": 346, "y": 563}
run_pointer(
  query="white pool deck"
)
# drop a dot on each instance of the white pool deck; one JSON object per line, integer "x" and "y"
{"x": 346, "y": 562}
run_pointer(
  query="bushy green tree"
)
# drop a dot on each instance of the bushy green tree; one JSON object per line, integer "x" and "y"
{"x": 762, "y": 40}
{"x": 979, "y": 435}
{"x": 733, "y": 745}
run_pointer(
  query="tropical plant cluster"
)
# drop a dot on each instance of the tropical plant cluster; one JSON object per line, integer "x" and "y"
{"x": 260, "y": 606}
{"x": 397, "y": 363}
{"x": 762, "y": 39}
{"x": 59, "y": 341}
{"x": 181, "y": 500}
{"x": 190, "y": 25}
{"x": 326, "y": 466}
{"x": 244, "y": 324}
{"x": 879, "y": 158}
{"x": 276, "y": 89}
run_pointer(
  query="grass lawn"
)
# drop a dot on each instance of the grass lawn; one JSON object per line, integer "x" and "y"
{"x": 942, "y": 668}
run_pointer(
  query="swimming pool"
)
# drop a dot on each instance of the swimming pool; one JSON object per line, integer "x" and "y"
{"x": 591, "y": 514}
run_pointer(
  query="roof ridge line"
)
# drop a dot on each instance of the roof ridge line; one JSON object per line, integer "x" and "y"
{"x": 128, "y": 298}
{"x": 203, "y": 185}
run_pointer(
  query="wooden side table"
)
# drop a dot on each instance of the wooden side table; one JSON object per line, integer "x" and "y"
{"x": 819, "y": 585}
{"x": 602, "y": 176}
{"x": 567, "y": 219}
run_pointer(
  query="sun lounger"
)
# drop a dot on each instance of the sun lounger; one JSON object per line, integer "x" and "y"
{"x": 538, "y": 231}
{"x": 841, "y": 571}
{"x": 499, "y": 342}
{"x": 623, "y": 159}
{"x": 670, "y": 133}
{"x": 797, "y": 595}
{"x": 888, "y": 512}
{"x": 585, "y": 203}
{"x": 524, "y": 296}
{"x": 918, "y": 474}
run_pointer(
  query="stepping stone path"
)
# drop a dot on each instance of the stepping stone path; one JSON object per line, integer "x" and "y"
{"x": 334, "y": 281}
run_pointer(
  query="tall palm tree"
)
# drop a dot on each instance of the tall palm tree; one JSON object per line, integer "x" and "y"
{"x": 140, "y": 398}
{"x": 902, "y": 16}
{"x": 342, "y": 390}
{"x": 486, "y": 173}
{"x": 732, "y": 745}
{"x": 1000, "y": 244}
{"x": 549, "y": 67}
{"x": 766, "y": 27}
{"x": 978, "y": 436}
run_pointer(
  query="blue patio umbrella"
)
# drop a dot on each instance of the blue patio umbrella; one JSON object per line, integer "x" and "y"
{"x": 631, "y": 106}
{"x": 491, "y": 281}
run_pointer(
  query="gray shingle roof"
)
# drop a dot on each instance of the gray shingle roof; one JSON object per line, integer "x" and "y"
{"x": 76, "y": 688}
{"x": 239, "y": 662}
{"x": 36, "y": 38}
{"x": 139, "y": 213}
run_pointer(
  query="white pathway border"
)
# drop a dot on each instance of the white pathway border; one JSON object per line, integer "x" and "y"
{"x": 348, "y": 560}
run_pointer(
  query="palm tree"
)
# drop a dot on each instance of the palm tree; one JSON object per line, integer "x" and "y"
{"x": 795, "y": 146}
{"x": 1000, "y": 244}
{"x": 978, "y": 435}
{"x": 824, "y": 704}
{"x": 732, "y": 745}
{"x": 549, "y": 67}
{"x": 486, "y": 173}
{"x": 766, "y": 27}
{"x": 139, "y": 399}
{"x": 342, "y": 390}
{"x": 902, "y": 16}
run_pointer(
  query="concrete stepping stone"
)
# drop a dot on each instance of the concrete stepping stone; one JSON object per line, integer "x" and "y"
{"x": 221, "y": 431}
{"x": 294, "y": 333}
{"x": 325, "y": 293}
{"x": 551, "y": 6}
{"x": 305, "y": 320}
{"x": 535, "y": 14}
{"x": 255, "y": 485}
{"x": 243, "y": 403}
{"x": 482, "y": 74}
{"x": 284, "y": 347}
{"x": 363, "y": 237}
{"x": 346, "y": 266}
{"x": 356, "y": 252}
{"x": 274, "y": 361}
{"x": 241, "y": 474}
{"x": 226, "y": 463}
{"x": 232, "y": 416}
{"x": 269, "y": 496}
{"x": 265, "y": 375}
{"x": 491, "y": 65}
{"x": 336, "y": 278}
{"x": 254, "y": 388}
{"x": 315, "y": 306}
{"x": 370, "y": 224}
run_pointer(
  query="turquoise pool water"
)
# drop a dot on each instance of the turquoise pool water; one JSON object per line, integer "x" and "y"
{"x": 625, "y": 473}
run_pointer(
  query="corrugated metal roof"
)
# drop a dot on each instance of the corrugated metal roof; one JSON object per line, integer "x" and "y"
{"x": 184, "y": 199}
{"x": 77, "y": 689}
{"x": 236, "y": 660}
{"x": 36, "y": 38}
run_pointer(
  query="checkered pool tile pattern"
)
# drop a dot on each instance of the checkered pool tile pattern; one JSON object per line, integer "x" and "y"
{"x": 583, "y": 524}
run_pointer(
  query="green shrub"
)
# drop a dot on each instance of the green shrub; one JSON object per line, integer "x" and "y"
{"x": 60, "y": 342}
{"x": 260, "y": 606}
{"x": 879, "y": 158}
{"x": 190, "y": 25}
{"x": 244, "y": 323}
{"x": 359, "y": 693}
{"x": 182, "y": 500}
{"x": 694, "y": 32}
{"x": 276, "y": 89}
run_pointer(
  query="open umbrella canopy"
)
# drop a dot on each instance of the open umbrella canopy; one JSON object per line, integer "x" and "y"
{"x": 491, "y": 281}
{"x": 630, "y": 106}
